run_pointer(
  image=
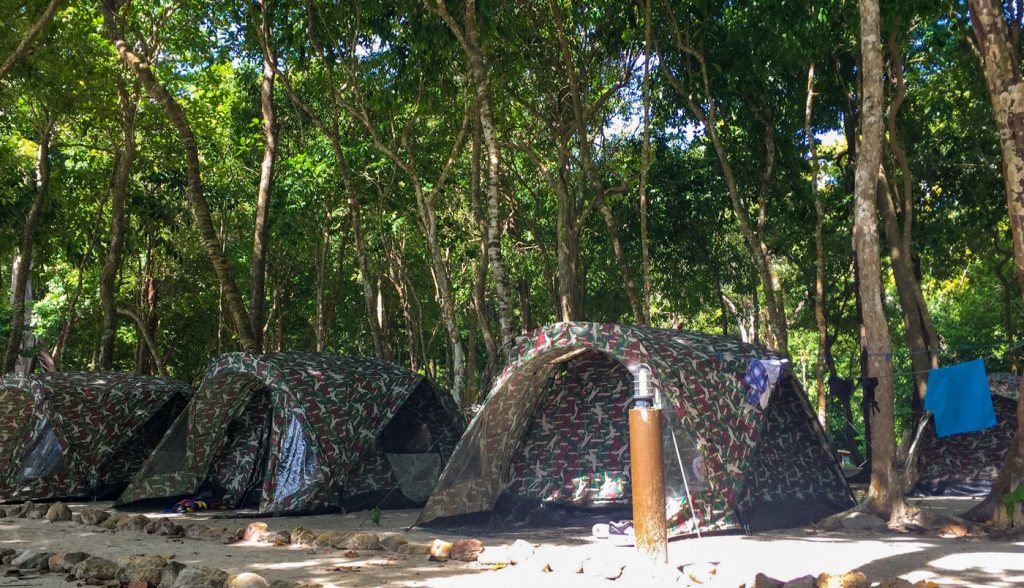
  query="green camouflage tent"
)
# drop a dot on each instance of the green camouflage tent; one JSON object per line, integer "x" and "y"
{"x": 80, "y": 434}
{"x": 967, "y": 464}
{"x": 551, "y": 441}
{"x": 302, "y": 432}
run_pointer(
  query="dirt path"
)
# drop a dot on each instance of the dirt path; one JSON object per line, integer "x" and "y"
{"x": 735, "y": 558}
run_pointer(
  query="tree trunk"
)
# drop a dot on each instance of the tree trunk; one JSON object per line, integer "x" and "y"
{"x": 884, "y": 496}
{"x": 194, "y": 187}
{"x": 469, "y": 38}
{"x": 756, "y": 247}
{"x": 903, "y": 273}
{"x": 645, "y": 161}
{"x": 261, "y": 227}
{"x": 323, "y": 251}
{"x": 337, "y": 285}
{"x": 480, "y": 309}
{"x": 71, "y": 314}
{"x": 128, "y": 108}
{"x": 921, "y": 337}
{"x": 1006, "y": 90}
{"x": 819, "y": 254}
{"x": 147, "y": 336}
{"x": 20, "y": 316}
{"x": 30, "y": 35}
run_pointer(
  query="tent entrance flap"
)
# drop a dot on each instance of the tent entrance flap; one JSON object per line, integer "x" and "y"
{"x": 236, "y": 474}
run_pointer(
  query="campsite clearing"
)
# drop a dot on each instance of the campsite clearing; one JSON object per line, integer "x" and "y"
{"x": 735, "y": 559}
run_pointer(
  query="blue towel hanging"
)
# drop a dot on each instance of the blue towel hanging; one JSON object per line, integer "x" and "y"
{"x": 959, "y": 398}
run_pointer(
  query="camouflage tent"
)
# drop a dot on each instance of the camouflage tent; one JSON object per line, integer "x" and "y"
{"x": 80, "y": 434}
{"x": 301, "y": 432}
{"x": 967, "y": 464}
{"x": 552, "y": 439}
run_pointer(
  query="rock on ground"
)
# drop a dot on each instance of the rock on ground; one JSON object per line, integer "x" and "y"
{"x": 439, "y": 550}
{"x": 63, "y": 562}
{"x": 91, "y": 516}
{"x": 302, "y": 536}
{"x": 32, "y": 560}
{"x": 363, "y": 541}
{"x": 278, "y": 538}
{"x": 58, "y": 511}
{"x": 247, "y": 580}
{"x": 466, "y": 550}
{"x": 853, "y": 579}
{"x": 132, "y": 523}
{"x": 170, "y": 574}
{"x": 393, "y": 542}
{"x": 414, "y": 548}
{"x": 95, "y": 568}
{"x": 255, "y": 531}
{"x": 201, "y": 577}
{"x": 147, "y": 568}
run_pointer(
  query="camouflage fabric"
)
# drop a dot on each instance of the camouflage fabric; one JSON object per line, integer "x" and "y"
{"x": 968, "y": 463}
{"x": 698, "y": 379}
{"x": 327, "y": 414}
{"x": 787, "y": 463}
{"x": 575, "y": 448}
{"x": 83, "y": 432}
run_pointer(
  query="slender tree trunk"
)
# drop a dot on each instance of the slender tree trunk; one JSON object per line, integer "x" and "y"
{"x": 261, "y": 226}
{"x": 707, "y": 114}
{"x": 147, "y": 336}
{"x": 125, "y": 159}
{"x": 19, "y": 316}
{"x": 819, "y": 253}
{"x": 71, "y": 315}
{"x": 323, "y": 251}
{"x": 480, "y": 308}
{"x": 1006, "y": 90}
{"x": 30, "y": 35}
{"x": 921, "y": 337}
{"x": 884, "y": 497}
{"x": 469, "y": 38}
{"x": 903, "y": 273}
{"x": 194, "y": 187}
{"x": 645, "y": 161}
{"x": 577, "y": 92}
{"x": 337, "y": 284}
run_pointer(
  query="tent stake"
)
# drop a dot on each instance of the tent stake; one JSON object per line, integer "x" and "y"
{"x": 648, "y": 478}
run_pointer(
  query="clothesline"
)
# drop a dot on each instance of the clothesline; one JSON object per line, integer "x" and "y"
{"x": 950, "y": 350}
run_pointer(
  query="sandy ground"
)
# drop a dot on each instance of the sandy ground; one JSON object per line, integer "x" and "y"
{"x": 780, "y": 554}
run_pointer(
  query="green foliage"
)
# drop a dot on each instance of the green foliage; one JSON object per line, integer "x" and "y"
{"x": 403, "y": 68}
{"x": 1010, "y": 500}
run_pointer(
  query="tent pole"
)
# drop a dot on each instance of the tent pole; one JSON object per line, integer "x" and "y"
{"x": 686, "y": 484}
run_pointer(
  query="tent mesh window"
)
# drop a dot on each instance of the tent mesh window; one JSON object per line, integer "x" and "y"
{"x": 128, "y": 458}
{"x": 576, "y": 445}
{"x": 45, "y": 457}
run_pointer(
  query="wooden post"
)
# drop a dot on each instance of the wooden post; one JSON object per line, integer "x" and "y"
{"x": 648, "y": 479}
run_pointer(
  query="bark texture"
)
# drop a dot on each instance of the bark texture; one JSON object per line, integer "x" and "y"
{"x": 261, "y": 226}
{"x": 128, "y": 107}
{"x": 194, "y": 188}
{"x": 30, "y": 35}
{"x": 1003, "y": 77}
{"x": 884, "y": 497}
{"x": 19, "y": 318}
{"x": 819, "y": 253}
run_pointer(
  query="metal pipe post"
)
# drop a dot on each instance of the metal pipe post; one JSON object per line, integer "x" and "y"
{"x": 648, "y": 480}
